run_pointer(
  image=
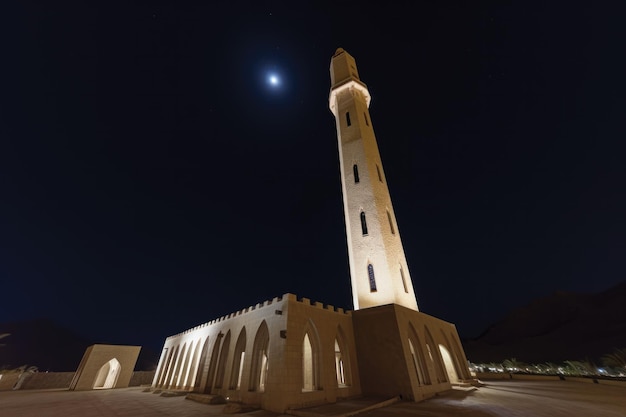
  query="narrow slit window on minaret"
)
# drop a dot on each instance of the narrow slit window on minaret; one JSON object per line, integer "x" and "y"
{"x": 355, "y": 168}
{"x": 348, "y": 118}
{"x": 380, "y": 177}
{"x": 363, "y": 223}
{"x": 406, "y": 289}
{"x": 393, "y": 231}
{"x": 365, "y": 116}
{"x": 370, "y": 274}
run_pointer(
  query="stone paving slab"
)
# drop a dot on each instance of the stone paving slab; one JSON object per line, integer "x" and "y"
{"x": 506, "y": 398}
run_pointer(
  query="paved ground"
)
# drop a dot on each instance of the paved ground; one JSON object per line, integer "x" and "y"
{"x": 497, "y": 398}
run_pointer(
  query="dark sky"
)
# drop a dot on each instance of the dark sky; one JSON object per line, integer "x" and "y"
{"x": 151, "y": 180}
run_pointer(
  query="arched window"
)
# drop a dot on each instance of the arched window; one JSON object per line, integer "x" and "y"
{"x": 342, "y": 360}
{"x": 464, "y": 371}
{"x": 167, "y": 360}
{"x": 310, "y": 359}
{"x": 393, "y": 230}
{"x": 348, "y": 118}
{"x": 184, "y": 372}
{"x": 406, "y": 289}
{"x": 221, "y": 367}
{"x": 177, "y": 368}
{"x": 203, "y": 365}
{"x": 365, "y": 116}
{"x": 363, "y": 224}
{"x": 448, "y": 363}
{"x": 419, "y": 362}
{"x": 380, "y": 176}
{"x": 238, "y": 358}
{"x": 213, "y": 365}
{"x": 339, "y": 368}
{"x": 370, "y": 274}
{"x": 170, "y": 367}
{"x": 258, "y": 370}
{"x": 355, "y": 168}
{"x": 308, "y": 383}
{"x": 435, "y": 356}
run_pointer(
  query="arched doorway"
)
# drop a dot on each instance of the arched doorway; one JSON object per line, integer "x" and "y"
{"x": 107, "y": 375}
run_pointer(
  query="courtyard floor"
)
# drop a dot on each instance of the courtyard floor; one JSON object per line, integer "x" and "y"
{"x": 497, "y": 398}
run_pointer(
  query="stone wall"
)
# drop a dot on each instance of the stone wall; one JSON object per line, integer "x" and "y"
{"x": 8, "y": 380}
{"x": 141, "y": 378}
{"x": 588, "y": 380}
{"x": 60, "y": 380}
{"x": 48, "y": 380}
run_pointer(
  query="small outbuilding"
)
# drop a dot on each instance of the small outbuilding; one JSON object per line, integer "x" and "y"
{"x": 105, "y": 367}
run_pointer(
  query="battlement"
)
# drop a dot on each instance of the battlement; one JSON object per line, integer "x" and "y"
{"x": 319, "y": 305}
{"x": 266, "y": 303}
{"x": 257, "y": 306}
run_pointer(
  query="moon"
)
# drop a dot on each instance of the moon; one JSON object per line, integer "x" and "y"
{"x": 273, "y": 80}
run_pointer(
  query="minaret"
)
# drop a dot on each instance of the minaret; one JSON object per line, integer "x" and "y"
{"x": 378, "y": 268}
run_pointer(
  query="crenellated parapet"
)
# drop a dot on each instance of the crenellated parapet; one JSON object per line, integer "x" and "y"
{"x": 266, "y": 303}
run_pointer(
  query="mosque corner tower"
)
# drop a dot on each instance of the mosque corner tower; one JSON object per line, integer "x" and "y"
{"x": 378, "y": 269}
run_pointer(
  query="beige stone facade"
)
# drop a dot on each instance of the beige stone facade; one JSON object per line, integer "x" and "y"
{"x": 105, "y": 366}
{"x": 292, "y": 353}
{"x": 289, "y": 353}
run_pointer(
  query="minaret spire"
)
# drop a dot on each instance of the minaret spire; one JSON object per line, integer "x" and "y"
{"x": 378, "y": 269}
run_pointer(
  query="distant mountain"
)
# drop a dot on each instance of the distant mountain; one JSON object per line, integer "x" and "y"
{"x": 562, "y": 326}
{"x": 51, "y": 347}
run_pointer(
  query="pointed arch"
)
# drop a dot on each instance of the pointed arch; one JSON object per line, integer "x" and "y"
{"x": 107, "y": 375}
{"x": 259, "y": 359}
{"x": 343, "y": 369}
{"x": 177, "y": 368}
{"x": 184, "y": 369}
{"x": 452, "y": 361}
{"x": 435, "y": 356}
{"x": 448, "y": 363}
{"x": 355, "y": 171}
{"x": 238, "y": 358}
{"x": 167, "y": 360}
{"x": 193, "y": 366}
{"x": 417, "y": 355}
{"x": 172, "y": 365}
{"x": 371, "y": 277}
{"x": 363, "y": 224}
{"x": 221, "y": 367}
{"x": 210, "y": 379}
{"x": 391, "y": 228}
{"x": 458, "y": 352}
{"x": 204, "y": 356}
{"x": 406, "y": 288}
{"x": 310, "y": 358}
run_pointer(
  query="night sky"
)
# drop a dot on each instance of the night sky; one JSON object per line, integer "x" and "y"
{"x": 152, "y": 179}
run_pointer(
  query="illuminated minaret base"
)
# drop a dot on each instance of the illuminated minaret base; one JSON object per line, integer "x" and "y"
{"x": 378, "y": 267}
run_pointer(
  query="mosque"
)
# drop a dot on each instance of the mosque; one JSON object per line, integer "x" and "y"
{"x": 288, "y": 352}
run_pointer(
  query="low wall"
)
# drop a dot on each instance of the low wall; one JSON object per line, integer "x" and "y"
{"x": 7, "y": 381}
{"x": 141, "y": 378}
{"x": 60, "y": 380}
{"x": 506, "y": 375}
{"x": 48, "y": 380}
